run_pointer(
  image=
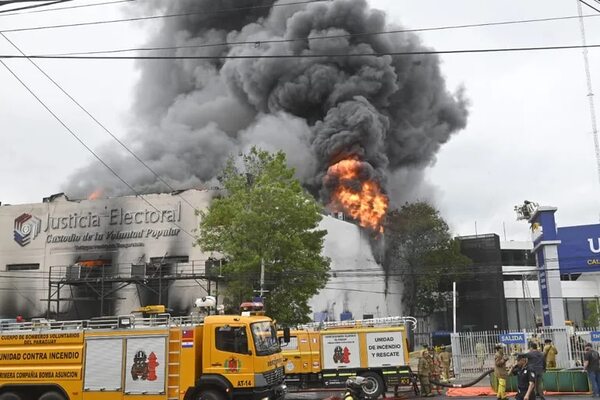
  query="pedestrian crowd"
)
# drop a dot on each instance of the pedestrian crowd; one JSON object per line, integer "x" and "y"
{"x": 531, "y": 366}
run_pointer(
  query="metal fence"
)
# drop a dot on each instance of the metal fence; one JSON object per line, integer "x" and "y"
{"x": 578, "y": 341}
{"x": 473, "y": 352}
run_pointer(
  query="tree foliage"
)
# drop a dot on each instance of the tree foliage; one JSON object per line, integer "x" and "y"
{"x": 593, "y": 312}
{"x": 265, "y": 215}
{"x": 421, "y": 251}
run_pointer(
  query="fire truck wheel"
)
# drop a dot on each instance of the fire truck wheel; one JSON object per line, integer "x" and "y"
{"x": 210, "y": 395}
{"x": 374, "y": 386}
{"x": 52, "y": 396}
{"x": 9, "y": 396}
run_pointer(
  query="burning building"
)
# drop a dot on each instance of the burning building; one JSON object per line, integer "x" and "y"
{"x": 359, "y": 112}
{"x": 82, "y": 258}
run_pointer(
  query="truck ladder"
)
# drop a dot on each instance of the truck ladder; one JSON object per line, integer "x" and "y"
{"x": 358, "y": 323}
{"x": 173, "y": 367}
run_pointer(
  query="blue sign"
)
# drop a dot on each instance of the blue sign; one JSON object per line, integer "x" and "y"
{"x": 579, "y": 250}
{"x": 595, "y": 336}
{"x": 543, "y": 284}
{"x": 543, "y": 227}
{"x": 512, "y": 338}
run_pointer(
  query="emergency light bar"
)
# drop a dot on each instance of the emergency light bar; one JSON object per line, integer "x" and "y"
{"x": 248, "y": 308}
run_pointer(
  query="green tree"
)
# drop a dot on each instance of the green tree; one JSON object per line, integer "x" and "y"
{"x": 422, "y": 253}
{"x": 593, "y": 311}
{"x": 265, "y": 216}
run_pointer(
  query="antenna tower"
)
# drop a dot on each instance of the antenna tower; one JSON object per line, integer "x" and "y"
{"x": 590, "y": 89}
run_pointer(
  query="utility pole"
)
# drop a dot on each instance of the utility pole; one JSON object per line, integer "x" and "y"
{"x": 262, "y": 277}
{"x": 261, "y": 292}
{"x": 454, "y": 307}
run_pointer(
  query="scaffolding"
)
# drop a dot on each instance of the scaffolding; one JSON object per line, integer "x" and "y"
{"x": 100, "y": 281}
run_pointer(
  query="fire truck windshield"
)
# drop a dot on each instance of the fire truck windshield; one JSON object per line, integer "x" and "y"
{"x": 265, "y": 338}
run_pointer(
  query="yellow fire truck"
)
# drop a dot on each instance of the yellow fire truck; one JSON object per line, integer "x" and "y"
{"x": 326, "y": 355}
{"x": 160, "y": 357}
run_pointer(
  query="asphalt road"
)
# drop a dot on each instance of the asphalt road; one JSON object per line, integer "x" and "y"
{"x": 409, "y": 395}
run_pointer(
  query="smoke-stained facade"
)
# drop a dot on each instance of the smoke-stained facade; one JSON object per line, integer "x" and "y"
{"x": 392, "y": 113}
{"x": 94, "y": 240}
{"x": 135, "y": 238}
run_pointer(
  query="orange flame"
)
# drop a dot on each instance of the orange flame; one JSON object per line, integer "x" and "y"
{"x": 95, "y": 195}
{"x": 363, "y": 200}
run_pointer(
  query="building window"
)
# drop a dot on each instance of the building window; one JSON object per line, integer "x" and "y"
{"x": 575, "y": 311}
{"x": 526, "y": 311}
{"x": 22, "y": 267}
{"x": 170, "y": 260}
{"x": 518, "y": 258}
{"x": 513, "y": 316}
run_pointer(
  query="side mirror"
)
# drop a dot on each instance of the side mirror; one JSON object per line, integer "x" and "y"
{"x": 286, "y": 335}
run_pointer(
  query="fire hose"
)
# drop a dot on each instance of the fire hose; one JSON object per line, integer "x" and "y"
{"x": 462, "y": 385}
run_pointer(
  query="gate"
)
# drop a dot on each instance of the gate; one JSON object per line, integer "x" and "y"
{"x": 473, "y": 352}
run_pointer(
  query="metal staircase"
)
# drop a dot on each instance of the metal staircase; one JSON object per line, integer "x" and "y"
{"x": 527, "y": 293}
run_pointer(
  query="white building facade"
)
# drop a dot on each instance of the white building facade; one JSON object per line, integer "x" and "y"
{"x": 580, "y": 291}
{"x": 105, "y": 238}
{"x": 85, "y": 258}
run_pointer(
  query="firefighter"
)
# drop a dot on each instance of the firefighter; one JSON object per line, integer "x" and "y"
{"x": 500, "y": 371}
{"x": 424, "y": 371}
{"x": 445, "y": 358}
{"x": 436, "y": 370}
{"x": 480, "y": 352}
{"x": 550, "y": 353}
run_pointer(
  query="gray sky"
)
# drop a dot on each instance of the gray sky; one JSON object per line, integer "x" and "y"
{"x": 528, "y": 134}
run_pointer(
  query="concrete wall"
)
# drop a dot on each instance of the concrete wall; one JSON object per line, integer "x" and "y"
{"x": 583, "y": 287}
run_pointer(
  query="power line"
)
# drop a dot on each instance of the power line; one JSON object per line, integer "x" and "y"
{"x": 350, "y": 35}
{"x": 57, "y": 118}
{"x": 295, "y": 56}
{"x": 63, "y": 8}
{"x": 10, "y": 12}
{"x": 100, "y": 124}
{"x": 356, "y": 278}
{"x": 360, "y": 290}
{"x": 7, "y": 2}
{"x": 150, "y": 17}
{"x": 593, "y": 8}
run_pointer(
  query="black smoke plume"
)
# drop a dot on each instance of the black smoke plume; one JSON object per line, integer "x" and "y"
{"x": 391, "y": 112}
